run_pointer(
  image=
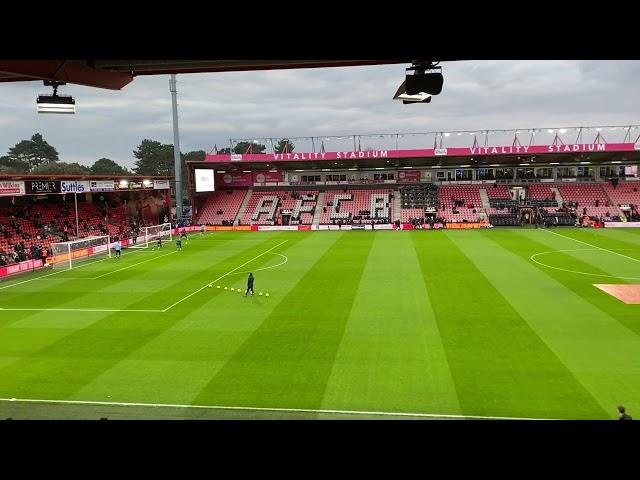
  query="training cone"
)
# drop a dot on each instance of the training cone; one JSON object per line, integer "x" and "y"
{"x": 266, "y": 294}
{"x": 225, "y": 288}
{"x": 260, "y": 294}
{"x": 218, "y": 286}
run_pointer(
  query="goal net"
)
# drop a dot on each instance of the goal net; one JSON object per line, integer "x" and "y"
{"x": 68, "y": 254}
{"x": 149, "y": 235}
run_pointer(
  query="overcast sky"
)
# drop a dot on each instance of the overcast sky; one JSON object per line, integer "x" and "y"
{"x": 214, "y": 107}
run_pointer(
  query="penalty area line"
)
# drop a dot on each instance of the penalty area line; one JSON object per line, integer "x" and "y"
{"x": 267, "y": 409}
{"x": 594, "y": 246}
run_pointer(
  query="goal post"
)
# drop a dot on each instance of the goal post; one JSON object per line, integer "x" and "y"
{"x": 149, "y": 235}
{"x": 68, "y": 254}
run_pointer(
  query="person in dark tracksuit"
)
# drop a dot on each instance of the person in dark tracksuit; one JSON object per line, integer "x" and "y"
{"x": 249, "y": 285}
{"x": 622, "y": 414}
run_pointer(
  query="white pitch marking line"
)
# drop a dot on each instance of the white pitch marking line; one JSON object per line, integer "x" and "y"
{"x": 532, "y": 258}
{"x": 594, "y": 246}
{"x": 54, "y": 273}
{"x": 133, "y": 265}
{"x": 221, "y": 277}
{"x": 286, "y": 259}
{"x": 74, "y": 310}
{"x": 267, "y": 409}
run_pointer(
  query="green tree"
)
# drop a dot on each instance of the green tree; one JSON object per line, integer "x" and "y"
{"x": 243, "y": 147}
{"x": 194, "y": 156}
{"x": 223, "y": 151}
{"x": 284, "y": 144}
{"x": 61, "y": 168}
{"x": 9, "y": 165}
{"x": 34, "y": 152}
{"x": 106, "y": 166}
{"x": 154, "y": 158}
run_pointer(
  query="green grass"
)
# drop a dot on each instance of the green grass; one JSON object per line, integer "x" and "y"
{"x": 445, "y": 323}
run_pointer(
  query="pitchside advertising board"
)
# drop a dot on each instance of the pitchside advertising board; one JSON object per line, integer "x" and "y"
{"x": 11, "y": 188}
{"x": 102, "y": 186}
{"x": 42, "y": 186}
{"x": 161, "y": 185}
{"x": 204, "y": 180}
{"x": 74, "y": 186}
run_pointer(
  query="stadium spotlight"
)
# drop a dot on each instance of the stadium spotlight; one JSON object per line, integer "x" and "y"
{"x": 427, "y": 80}
{"x": 55, "y": 103}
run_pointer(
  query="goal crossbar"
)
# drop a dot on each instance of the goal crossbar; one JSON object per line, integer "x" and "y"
{"x": 151, "y": 234}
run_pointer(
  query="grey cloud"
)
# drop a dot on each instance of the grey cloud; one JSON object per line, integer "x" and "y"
{"x": 339, "y": 101}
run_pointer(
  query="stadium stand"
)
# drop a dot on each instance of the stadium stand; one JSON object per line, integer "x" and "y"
{"x": 358, "y": 206}
{"x": 271, "y": 204}
{"x": 460, "y": 203}
{"x": 541, "y": 191}
{"x": 625, "y": 193}
{"x": 589, "y": 196}
{"x": 407, "y": 214}
{"x": 24, "y": 227}
{"x": 221, "y": 207}
{"x": 498, "y": 192}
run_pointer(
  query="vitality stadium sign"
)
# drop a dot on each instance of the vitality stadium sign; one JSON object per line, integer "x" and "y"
{"x": 433, "y": 152}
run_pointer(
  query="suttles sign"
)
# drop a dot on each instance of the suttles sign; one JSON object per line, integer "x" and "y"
{"x": 42, "y": 186}
{"x": 74, "y": 186}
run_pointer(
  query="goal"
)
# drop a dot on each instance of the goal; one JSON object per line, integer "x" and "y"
{"x": 149, "y": 235}
{"x": 68, "y": 254}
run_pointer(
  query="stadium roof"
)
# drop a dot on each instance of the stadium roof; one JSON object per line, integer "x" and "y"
{"x": 486, "y": 148}
{"x": 116, "y": 74}
{"x": 29, "y": 177}
{"x": 475, "y": 161}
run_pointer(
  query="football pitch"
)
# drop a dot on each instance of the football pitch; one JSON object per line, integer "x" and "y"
{"x": 358, "y": 324}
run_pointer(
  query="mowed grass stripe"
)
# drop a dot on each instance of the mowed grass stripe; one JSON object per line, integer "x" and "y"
{"x": 177, "y": 364}
{"x": 605, "y": 343}
{"x": 500, "y": 366}
{"x": 594, "y": 264}
{"x": 60, "y": 369}
{"x": 287, "y": 361}
{"x": 525, "y": 244}
{"x": 117, "y": 291}
{"x": 69, "y": 293}
{"x": 591, "y": 344}
{"x": 391, "y": 356}
{"x": 609, "y": 241}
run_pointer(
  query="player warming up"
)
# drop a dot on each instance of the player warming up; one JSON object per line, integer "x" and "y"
{"x": 249, "y": 285}
{"x": 202, "y": 229}
{"x": 183, "y": 234}
{"x": 159, "y": 243}
{"x": 118, "y": 247}
{"x": 179, "y": 244}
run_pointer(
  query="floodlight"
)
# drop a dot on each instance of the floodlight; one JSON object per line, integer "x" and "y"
{"x": 420, "y": 97}
{"x": 55, "y": 103}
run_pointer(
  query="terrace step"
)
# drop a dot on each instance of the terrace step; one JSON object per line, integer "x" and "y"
{"x": 318, "y": 212}
{"x": 397, "y": 205}
{"x": 484, "y": 196}
{"x": 243, "y": 207}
